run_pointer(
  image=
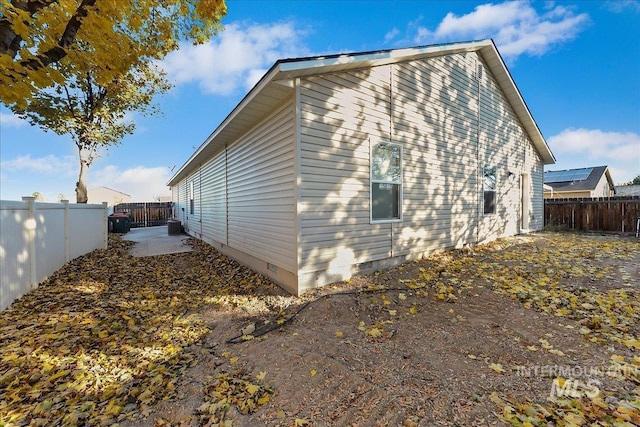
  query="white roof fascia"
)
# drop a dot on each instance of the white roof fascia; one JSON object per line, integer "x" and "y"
{"x": 319, "y": 65}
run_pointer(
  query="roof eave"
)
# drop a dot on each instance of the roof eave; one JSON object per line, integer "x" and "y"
{"x": 264, "y": 81}
{"x": 292, "y": 68}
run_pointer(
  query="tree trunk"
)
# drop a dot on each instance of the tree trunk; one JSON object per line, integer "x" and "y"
{"x": 81, "y": 186}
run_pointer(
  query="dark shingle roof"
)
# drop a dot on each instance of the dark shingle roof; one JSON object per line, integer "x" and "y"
{"x": 587, "y": 184}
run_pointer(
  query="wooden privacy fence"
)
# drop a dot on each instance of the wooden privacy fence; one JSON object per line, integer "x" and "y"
{"x": 610, "y": 214}
{"x": 147, "y": 214}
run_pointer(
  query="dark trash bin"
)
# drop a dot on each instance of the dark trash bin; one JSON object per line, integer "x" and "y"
{"x": 119, "y": 222}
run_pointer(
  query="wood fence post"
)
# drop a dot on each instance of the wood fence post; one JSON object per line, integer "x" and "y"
{"x": 30, "y": 225}
{"x": 580, "y": 215}
{"x": 66, "y": 229}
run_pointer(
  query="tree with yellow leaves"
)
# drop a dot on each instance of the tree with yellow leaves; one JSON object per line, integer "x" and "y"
{"x": 77, "y": 66}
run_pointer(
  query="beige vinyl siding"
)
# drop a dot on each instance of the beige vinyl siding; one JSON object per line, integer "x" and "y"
{"x": 261, "y": 190}
{"x": 179, "y": 198}
{"x": 175, "y": 199}
{"x": 536, "y": 200}
{"x": 504, "y": 143}
{"x": 193, "y": 221}
{"x": 339, "y": 115}
{"x": 602, "y": 189}
{"x": 449, "y": 124}
{"x": 214, "y": 199}
{"x": 435, "y": 119}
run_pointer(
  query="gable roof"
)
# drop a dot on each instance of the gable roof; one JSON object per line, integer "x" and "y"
{"x": 582, "y": 179}
{"x": 277, "y": 83}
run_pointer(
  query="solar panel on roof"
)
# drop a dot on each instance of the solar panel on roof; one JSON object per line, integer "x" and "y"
{"x": 568, "y": 175}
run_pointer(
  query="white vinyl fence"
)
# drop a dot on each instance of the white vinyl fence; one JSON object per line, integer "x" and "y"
{"x": 36, "y": 239}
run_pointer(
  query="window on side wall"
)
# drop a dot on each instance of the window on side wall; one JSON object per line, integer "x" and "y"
{"x": 386, "y": 182}
{"x": 191, "y": 199}
{"x": 489, "y": 186}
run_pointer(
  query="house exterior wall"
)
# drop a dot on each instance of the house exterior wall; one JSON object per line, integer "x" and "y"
{"x": 193, "y": 211}
{"x": 261, "y": 191}
{"x": 214, "y": 199}
{"x": 504, "y": 143}
{"x": 449, "y": 124}
{"x": 534, "y": 164}
{"x": 602, "y": 189}
{"x": 339, "y": 114}
{"x": 244, "y": 198}
{"x": 179, "y": 199}
{"x": 435, "y": 118}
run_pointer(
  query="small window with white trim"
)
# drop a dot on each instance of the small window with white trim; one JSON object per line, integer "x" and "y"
{"x": 489, "y": 187}
{"x": 386, "y": 182}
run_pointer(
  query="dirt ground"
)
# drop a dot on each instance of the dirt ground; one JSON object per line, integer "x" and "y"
{"x": 492, "y": 336}
{"x": 431, "y": 363}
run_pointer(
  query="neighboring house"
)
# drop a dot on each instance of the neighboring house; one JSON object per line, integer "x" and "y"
{"x": 109, "y": 195}
{"x": 337, "y": 165}
{"x": 628, "y": 190}
{"x": 583, "y": 182}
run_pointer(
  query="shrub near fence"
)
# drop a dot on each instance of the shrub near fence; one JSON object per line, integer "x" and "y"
{"x": 147, "y": 214}
{"x": 36, "y": 239}
{"x": 607, "y": 214}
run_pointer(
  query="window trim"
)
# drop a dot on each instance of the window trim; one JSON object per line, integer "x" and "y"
{"x": 493, "y": 190}
{"x": 372, "y": 181}
{"x": 192, "y": 196}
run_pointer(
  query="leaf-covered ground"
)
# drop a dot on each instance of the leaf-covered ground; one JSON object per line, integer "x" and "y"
{"x": 528, "y": 331}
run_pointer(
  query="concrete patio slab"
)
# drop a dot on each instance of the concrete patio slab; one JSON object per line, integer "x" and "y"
{"x": 152, "y": 241}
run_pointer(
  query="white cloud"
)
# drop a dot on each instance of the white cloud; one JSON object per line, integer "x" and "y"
{"x": 597, "y": 143}
{"x": 63, "y": 165}
{"x": 516, "y": 27}
{"x": 11, "y": 120}
{"x": 143, "y": 184}
{"x": 391, "y": 34}
{"x": 620, "y": 6}
{"x": 51, "y": 175}
{"x": 619, "y": 150}
{"x": 236, "y": 58}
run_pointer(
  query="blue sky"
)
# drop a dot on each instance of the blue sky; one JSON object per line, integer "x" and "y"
{"x": 577, "y": 65}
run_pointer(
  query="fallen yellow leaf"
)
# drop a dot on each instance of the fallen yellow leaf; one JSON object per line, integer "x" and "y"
{"x": 497, "y": 367}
